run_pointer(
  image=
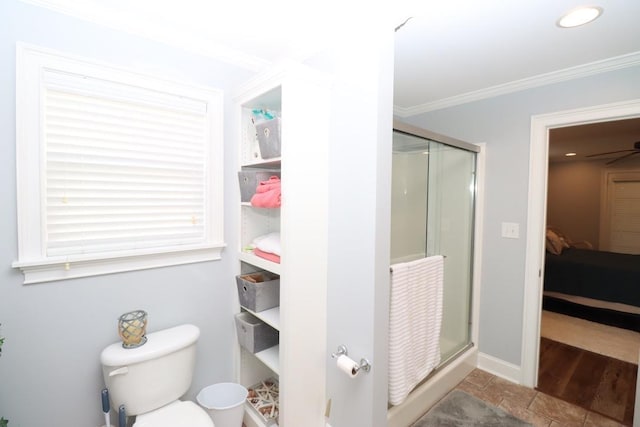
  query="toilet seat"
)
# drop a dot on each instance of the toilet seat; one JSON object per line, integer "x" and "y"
{"x": 176, "y": 414}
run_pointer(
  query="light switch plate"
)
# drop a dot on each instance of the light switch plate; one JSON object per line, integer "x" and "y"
{"x": 511, "y": 230}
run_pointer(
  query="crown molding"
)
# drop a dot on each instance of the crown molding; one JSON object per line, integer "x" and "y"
{"x": 585, "y": 70}
{"x": 152, "y": 32}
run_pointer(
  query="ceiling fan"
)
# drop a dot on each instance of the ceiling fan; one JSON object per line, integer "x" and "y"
{"x": 631, "y": 152}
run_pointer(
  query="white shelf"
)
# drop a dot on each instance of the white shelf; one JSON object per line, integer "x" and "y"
{"x": 249, "y": 205}
{"x": 272, "y": 163}
{"x": 254, "y": 222}
{"x": 303, "y": 89}
{"x": 262, "y": 263}
{"x": 271, "y": 316}
{"x": 271, "y": 358}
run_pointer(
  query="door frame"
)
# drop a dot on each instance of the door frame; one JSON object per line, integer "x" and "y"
{"x": 536, "y": 217}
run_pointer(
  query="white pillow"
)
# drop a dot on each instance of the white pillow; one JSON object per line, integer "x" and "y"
{"x": 268, "y": 243}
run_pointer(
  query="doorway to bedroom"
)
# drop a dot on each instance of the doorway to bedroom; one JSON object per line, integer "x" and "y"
{"x": 589, "y": 341}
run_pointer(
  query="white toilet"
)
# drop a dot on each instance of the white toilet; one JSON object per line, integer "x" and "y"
{"x": 150, "y": 379}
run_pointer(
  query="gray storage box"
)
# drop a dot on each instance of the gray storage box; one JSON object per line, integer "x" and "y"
{"x": 253, "y": 334}
{"x": 249, "y": 180}
{"x": 258, "y": 291}
{"x": 269, "y": 138}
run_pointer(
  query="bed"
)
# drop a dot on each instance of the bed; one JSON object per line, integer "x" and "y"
{"x": 600, "y": 286}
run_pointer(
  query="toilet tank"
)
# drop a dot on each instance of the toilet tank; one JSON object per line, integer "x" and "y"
{"x": 152, "y": 375}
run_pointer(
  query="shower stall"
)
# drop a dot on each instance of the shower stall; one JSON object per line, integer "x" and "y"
{"x": 433, "y": 212}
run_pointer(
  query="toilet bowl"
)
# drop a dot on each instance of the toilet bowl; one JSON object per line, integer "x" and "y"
{"x": 150, "y": 380}
{"x": 176, "y": 414}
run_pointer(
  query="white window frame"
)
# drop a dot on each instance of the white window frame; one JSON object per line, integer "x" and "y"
{"x": 31, "y": 62}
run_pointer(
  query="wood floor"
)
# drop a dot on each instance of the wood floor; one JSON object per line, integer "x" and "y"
{"x": 533, "y": 406}
{"x": 592, "y": 381}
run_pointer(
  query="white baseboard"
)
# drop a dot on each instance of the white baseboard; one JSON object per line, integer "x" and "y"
{"x": 500, "y": 368}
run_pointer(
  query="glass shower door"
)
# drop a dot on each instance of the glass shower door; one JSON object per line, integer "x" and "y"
{"x": 409, "y": 183}
{"x": 433, "y": 198}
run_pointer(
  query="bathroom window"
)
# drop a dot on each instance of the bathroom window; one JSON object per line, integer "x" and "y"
{"x": 116, "y": 171}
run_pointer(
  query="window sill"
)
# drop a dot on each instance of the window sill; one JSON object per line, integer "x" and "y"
{"x": 49, "y": 270}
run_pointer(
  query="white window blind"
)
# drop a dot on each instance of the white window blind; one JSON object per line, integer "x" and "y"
{"x": 121, "y": 175}
{"x": 127, "y": 167}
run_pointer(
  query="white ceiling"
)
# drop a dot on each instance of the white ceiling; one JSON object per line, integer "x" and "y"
{"x": 448, "y": 53}
{"x": 492, "y": 46}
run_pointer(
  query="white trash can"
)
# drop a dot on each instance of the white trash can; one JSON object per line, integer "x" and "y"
{"x": 224, "y": 402}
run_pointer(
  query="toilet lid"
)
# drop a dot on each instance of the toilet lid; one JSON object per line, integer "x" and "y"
{"x": 176, "y": 414}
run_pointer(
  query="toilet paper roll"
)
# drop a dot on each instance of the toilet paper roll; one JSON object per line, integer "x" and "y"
{"x": 348, "y": 366}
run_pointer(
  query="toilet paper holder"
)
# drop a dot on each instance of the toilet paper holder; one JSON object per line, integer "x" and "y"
{"x": 364, "y": 365}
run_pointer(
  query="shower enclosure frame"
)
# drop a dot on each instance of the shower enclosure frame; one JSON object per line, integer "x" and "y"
{"x": 452, "y": 371}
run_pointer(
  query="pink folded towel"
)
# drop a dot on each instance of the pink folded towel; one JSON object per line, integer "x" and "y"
{"x": 269, "y": 199}
{"x": 268, "y": 194}
{"x": 267, "y": 255}
{"x": 271, "y": 184}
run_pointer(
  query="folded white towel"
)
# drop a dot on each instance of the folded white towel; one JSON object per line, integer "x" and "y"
{"x": 415, "y": 319}
{"x": 269, "y": 243}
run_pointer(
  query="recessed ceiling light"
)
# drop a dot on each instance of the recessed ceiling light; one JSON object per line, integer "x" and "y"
{"x": 579, "y": 16}
{"x": 570, "y": 154}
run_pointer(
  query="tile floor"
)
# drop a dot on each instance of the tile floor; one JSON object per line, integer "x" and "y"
{"x": 537, "y": 408}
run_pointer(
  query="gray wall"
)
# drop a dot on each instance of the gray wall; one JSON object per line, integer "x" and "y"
{"x": 573, "y": 196}
{"x": 573, "y": 199}
{"x": 504, "y": 123}
{"x": 49, "y": 369}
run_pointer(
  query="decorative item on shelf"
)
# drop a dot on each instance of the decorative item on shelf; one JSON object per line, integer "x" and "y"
{"x": 132, "y": 327}
{"x": 265, "y": 400}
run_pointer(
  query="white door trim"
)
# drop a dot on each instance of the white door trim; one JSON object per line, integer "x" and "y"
{"x": 534, "y": 261}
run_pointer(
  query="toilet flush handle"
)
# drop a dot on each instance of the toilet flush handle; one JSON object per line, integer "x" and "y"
{"x": 119, "y": 371}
